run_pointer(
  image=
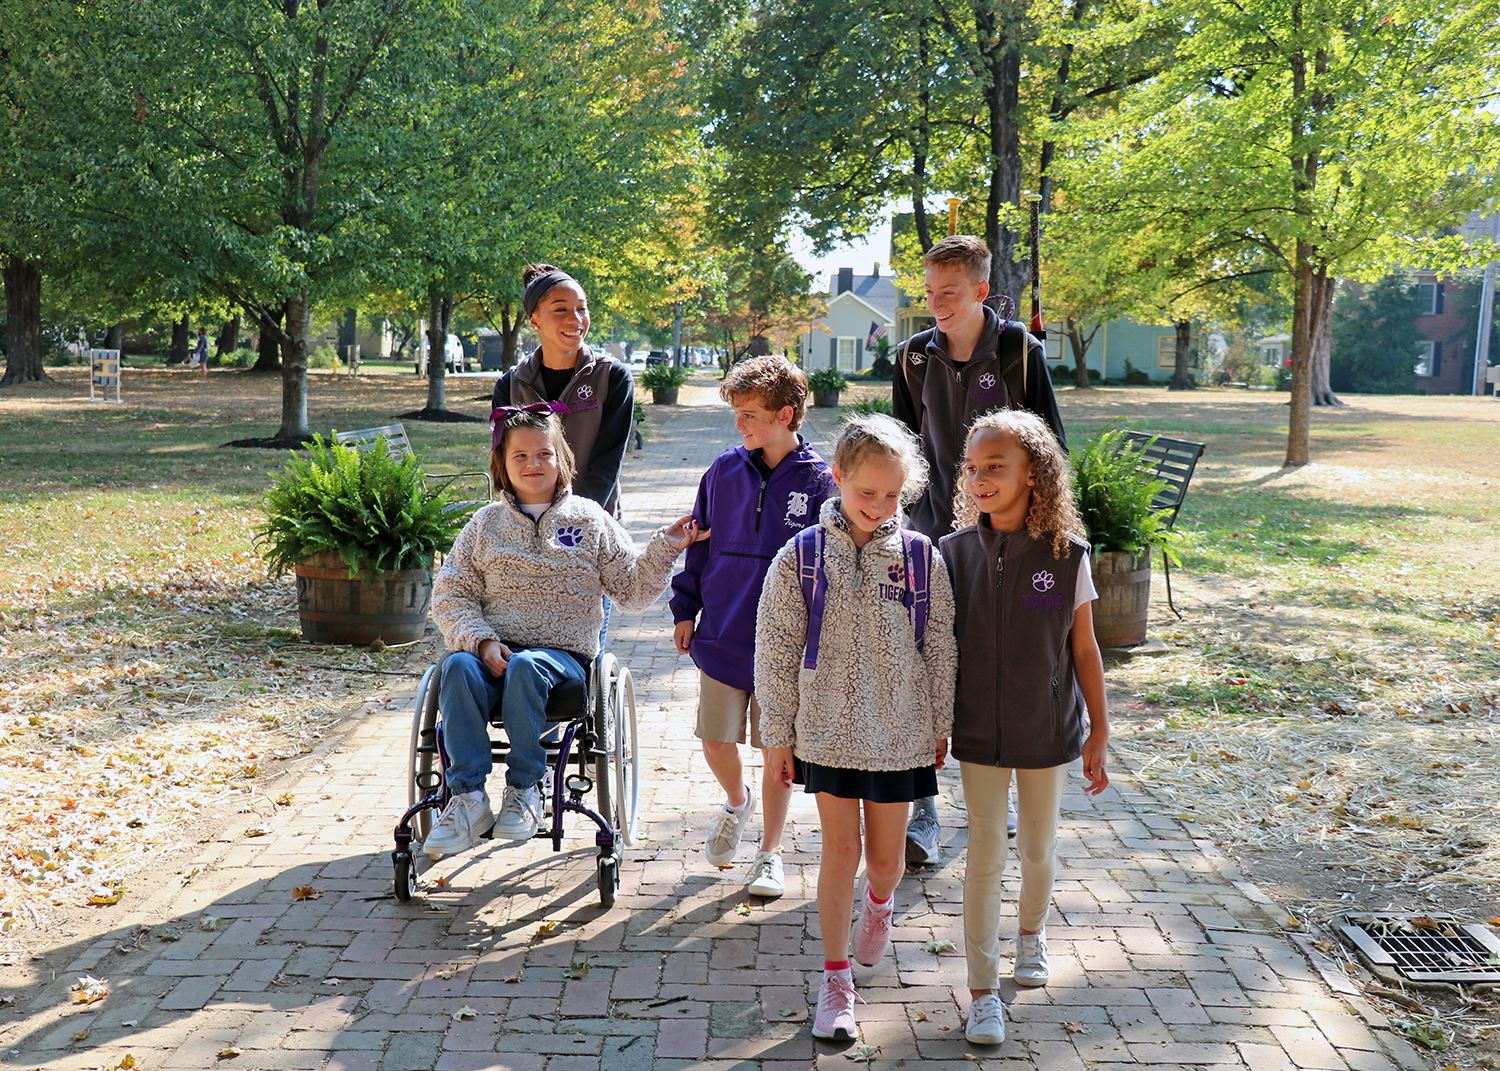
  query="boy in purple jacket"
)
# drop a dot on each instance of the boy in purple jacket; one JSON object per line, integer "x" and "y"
{"x": 750, "y": 502}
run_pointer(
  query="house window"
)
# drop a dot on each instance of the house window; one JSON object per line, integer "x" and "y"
{"x": 1271, "y": 356}
{"x": 1430, "y": 298}
{"x": 1166, "y": 352}
{"x": 1429, "y": 359}
{"x": 846, "y": 354}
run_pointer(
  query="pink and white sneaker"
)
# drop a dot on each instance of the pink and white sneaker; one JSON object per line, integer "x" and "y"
{"x": 872, "y": 933}
{"x": 835, "y": 1017}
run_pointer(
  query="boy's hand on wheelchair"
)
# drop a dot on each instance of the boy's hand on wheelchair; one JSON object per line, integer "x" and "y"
{"x": 682, "y": 635}
{"x": 682, "y": 533}
{"x": 495, "y": 656}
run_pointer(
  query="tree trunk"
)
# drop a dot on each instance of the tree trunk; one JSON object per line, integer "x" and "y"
{"x": 294, "y": 369}
{"x": 178, "y": 354}
{"x": 114, "y": 337}
{"x": 439, "y": 313}
{"x": 1182, "y": 378}
{"x": 1001, "y": 87}
{"x": 1080, "y": 344}
{"x": 229, "y": 337}
{"x": 920, "y": 150}
{"x": 268, "y": 354}
{"x": 510, "y": 338}
{"x": 1322, "y": 351}
{"x": 23, "y": 322}
{"x": 1299, "y": 419}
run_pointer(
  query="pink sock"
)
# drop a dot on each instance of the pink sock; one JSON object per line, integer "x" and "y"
{"x": 829, "y": 965}
{"x": 874, "y": 900}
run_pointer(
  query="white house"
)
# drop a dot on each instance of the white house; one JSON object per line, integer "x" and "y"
{"x": 858, "y": 306}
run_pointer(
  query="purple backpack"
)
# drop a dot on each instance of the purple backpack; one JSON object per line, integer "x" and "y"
{"x": 916, "y": 553}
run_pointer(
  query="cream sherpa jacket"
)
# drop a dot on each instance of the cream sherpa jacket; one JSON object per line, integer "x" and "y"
{"x": 538, "y": 583}
{"x": 874, "y": 702}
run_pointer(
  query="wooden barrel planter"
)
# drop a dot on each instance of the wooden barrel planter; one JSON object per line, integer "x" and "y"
{"x": 336, "y": 608}
{"x": 1124, "y": 583}
{"x": 826, "y": 399}
{"x": 667, "y": 396}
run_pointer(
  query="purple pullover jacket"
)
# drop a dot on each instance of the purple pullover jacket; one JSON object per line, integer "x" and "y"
{"x": 752, "y": 512}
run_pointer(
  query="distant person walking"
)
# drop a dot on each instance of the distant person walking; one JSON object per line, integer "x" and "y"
{"x": 199, "y": 357}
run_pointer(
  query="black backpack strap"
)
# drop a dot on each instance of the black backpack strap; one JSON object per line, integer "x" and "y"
{"x": 1013, "y": 348}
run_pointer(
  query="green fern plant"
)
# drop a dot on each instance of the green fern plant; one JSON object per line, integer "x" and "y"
{"x": 375, "y": 511}
{"x": 867, "y": 406}
{"x": 1115, "y": 489}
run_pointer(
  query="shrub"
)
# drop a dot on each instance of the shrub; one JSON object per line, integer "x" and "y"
{"x": 664, "y": 377}
{"x": 826, "y": 380}
{"x": 322, "y": 356}
{"x": 1062, "y": 372}
{"x": 1135, "y": 377}
{"x": 1114, "y": 495}
{"x": 866, "y": 406}
{"x": 374, "y": 511}
{"x": 881, "y": 367}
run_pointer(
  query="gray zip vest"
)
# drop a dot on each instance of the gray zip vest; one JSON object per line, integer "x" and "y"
{"x": 584, "y": 397}
{"x": 1018, "y": 703}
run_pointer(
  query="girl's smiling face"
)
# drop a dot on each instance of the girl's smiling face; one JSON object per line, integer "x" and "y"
{"x": 561, "y": 318}
{"x": 869, "y": 494}
{"x": 997, "y": 472}
{"x": 531, "y": 465}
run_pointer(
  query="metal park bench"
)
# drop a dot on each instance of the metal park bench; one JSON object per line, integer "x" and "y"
{"x": 398, "y": 446}
{"x": 1173, "y": 462}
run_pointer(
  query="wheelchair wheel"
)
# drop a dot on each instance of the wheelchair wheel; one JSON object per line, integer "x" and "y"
{"x": 406, "y": 875}
{"x": 626, "y": 755}
{"x": 600, "y": 710}
{"x": 609, "y": 879}
{"x": 422, "y": 757}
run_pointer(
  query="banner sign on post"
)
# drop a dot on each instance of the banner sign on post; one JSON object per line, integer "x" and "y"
{"x": 104, "y": 374}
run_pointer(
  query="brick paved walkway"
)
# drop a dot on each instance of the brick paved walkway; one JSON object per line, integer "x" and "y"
{"x": 1162, "y": 955}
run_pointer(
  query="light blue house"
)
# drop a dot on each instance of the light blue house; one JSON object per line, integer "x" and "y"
{"x": 859, "y": 306}
{"x": 1150, "y": 348}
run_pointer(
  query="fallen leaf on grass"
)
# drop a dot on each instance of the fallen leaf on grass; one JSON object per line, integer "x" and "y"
{"x": 305, "y": 892}
{"x": 228, "y": 1053}
{"x": 88, "y": 990}
{"x": 106, "y": 896}
{"x": 465, "y": 1012}
{"x": 285, "y": 799}
{"x": 578, "y": 968}
{"x": 943, "y": 945}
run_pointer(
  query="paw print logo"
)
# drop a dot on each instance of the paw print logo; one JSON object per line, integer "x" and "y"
{"x": 1042, "y": 581}
{"x": 987, "y": 381}
{"x": 585, "y": 391}
{"x": 897, "y": 574}
{"x": 570, "y": 536}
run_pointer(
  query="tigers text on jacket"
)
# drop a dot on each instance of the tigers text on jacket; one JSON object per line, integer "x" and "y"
{"x": 1017, "y": 703}
{"x": 538, "y": 583}
{"x": 751, "y": 513}
{"x": 874, "y": 702}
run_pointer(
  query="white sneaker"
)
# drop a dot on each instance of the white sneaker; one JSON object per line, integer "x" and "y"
{"x": 463, "y": 821}
{"x": 724, "y": 840}
{"x": 547, "y": 782}
{"x": 520, "y": 813}
{"x": 1032, "y": 968}
{"x": 767, "y": 878}
{"x": 986, "y": 1024}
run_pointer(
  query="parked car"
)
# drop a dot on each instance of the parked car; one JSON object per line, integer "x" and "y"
{"x": 453, "y": 357}
{"x": 658, "y": 357}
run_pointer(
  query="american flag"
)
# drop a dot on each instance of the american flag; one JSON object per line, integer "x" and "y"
{"x": 877, "y": 332}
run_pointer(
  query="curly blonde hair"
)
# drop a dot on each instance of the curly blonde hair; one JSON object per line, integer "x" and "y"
{"x": 877, "y": 435}
{"x": 1053, "y": 508}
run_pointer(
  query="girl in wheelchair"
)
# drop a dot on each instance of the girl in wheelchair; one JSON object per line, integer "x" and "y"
{"x": 518, "y": 600}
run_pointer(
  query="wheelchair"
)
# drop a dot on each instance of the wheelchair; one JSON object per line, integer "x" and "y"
{"x": 591, "y": 748}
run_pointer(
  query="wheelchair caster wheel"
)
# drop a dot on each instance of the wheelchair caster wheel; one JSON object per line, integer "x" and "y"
{"x": 406, "y": 875}
{"x": 609, "y": 879}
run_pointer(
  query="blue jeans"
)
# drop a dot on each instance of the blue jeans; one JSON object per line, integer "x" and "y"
{"x": 468, "y": 693}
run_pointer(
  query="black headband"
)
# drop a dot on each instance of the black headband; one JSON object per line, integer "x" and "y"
{"x": 539, "y": 286}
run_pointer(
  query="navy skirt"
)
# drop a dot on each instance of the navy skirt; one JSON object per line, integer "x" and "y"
{"x": 877, "y": 786}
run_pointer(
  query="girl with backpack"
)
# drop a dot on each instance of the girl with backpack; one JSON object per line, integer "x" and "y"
{"x": 1021, "y": 573}
{"x": 854, "y": 671}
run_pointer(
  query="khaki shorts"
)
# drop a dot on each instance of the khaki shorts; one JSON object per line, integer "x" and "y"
{"x": 722, "y": 713}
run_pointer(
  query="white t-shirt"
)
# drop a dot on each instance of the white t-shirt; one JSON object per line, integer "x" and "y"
{"x": 1084, "y": 591}
{"x": 534, "y": 510}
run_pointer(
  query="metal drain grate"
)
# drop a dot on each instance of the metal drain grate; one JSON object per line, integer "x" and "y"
{"x": 1425, "y": 948}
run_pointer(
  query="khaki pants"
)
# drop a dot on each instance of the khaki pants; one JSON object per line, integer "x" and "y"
{"x": 1038, "y": 803}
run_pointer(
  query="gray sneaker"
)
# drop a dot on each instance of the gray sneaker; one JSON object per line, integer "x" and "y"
{"x": 463, "y": 821}
{"x": 724, "y": 839}
{"x": 520, "y": 813}
{"x": 922, "y": 834}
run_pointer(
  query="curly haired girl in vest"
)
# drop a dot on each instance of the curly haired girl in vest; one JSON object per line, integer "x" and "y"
{"x": 864, "y": 702}
{"x": 1029, "y": 668}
